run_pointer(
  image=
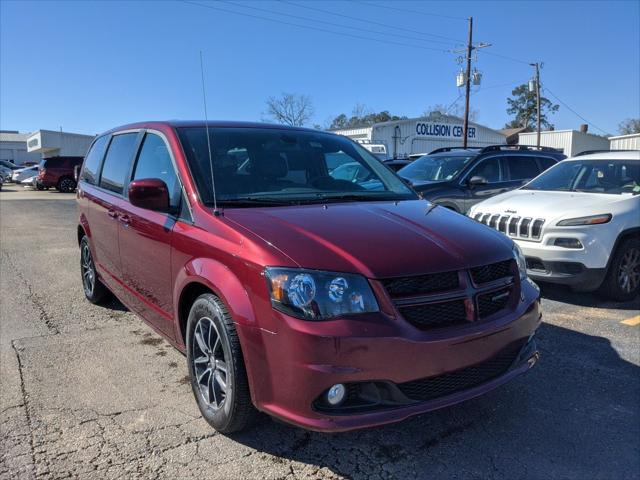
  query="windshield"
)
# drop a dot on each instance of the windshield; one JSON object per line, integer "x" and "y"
{"x": 279, "y": 166}
{"x": 434, "y": 168}
{"x": 594, "y": 176}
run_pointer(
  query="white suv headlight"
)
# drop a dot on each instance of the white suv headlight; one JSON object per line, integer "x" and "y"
{"x": 590, "y": 220}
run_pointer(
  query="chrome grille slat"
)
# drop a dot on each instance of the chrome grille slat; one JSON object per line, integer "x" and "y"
{"x": 527, "y": 228}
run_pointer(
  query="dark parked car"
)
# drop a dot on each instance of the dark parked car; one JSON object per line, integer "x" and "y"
{"x": 58, "y": 172}
{"x": 397, "y": 163}
{"x": 459, "y": 178}
{"x": 322, "y": 302}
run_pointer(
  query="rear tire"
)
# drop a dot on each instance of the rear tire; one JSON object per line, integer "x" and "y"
{"x": 216, "y": 366}
{"x": 66, "y": 185}
{"x": 622, "y": 282}
{"x": 94, "y": 289}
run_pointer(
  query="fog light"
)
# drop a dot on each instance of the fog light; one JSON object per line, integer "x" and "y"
{"x": 336, "y": 394}
{"x": 568, "y": 243}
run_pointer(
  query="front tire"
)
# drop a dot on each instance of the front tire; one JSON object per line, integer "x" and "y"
{"x": 94, "y": 289}
{"x": 216, "y": 366}
{"x": 622, "y": 282}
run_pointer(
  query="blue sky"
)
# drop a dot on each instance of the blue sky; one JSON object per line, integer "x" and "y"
{"x": 89, "y": 66}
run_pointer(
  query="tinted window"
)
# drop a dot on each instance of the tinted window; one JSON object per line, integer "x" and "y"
{"x": 118, "y": 162}
{"x": 437, "y": 167}
{"x": 281, "y": 165}
{"x": 488, "y": 169}
{"x": 546, "y": 162}
{"x": 594, "y": 176}
{"x": 54, "y": 162}
{"x": 92, "y": 161}
{"x": 154, "y": 161}
{"x": 522, "y": 168}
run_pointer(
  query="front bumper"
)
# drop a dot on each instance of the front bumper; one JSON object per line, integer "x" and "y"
{"x": 304, "y": 359}
{"x": 573, "y": 274}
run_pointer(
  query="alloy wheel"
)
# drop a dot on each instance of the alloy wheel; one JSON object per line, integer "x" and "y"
{"x": 629, "y": 270}
{"x": 210, "y": 363}
{"x": 66, "y": 185}
{"x": 88, "y": 270}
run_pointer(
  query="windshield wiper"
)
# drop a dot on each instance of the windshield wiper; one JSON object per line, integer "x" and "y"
{"x": 254, "y": 201}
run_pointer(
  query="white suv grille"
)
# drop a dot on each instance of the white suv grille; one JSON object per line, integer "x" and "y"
{"x": 525, "y": 228}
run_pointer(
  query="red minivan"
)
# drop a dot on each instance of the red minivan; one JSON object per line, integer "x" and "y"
{"x": 327, "y": 303}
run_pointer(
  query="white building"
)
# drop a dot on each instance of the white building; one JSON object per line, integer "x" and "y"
{"x": 422, "y": 135}
{"x": 625, "y": 142}
{"x": 570, "y": 142}
{"x": 50, "y": 143}
{"x": 13, "y": 148}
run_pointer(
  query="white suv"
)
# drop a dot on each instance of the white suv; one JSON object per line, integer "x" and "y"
{"x": 577, "y": 223}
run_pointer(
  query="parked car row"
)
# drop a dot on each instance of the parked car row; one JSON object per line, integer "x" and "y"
{"x": 53, "y": 172}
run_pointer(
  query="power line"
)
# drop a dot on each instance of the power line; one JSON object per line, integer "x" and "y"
{"x": 419, "y": 12}
{"x": 372, "y": 22}
{"x": 546, "y": 90}
{"x": 315, "y": 20}
{"x": 506, "y": 57}
{"x": 308, "y": 27}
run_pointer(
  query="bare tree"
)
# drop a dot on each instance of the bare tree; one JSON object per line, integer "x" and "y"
{"x": 455, "y": 110}
{"x": 290, "y": 109}
{"x": 628, "y": 126}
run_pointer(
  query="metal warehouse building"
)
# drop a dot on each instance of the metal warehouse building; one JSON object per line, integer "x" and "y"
{"x": 625, "y": 142}
{"x": 13, "y": 148}
{"x": 570, "y": 142}
{"x": 422, "y": 135}
{"x": 53, "y": 144}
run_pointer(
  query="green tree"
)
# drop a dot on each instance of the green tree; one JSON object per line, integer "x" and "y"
{"x": 522, "y": 105}
{"x": 362, "y": 117}
{"x": 629, "y": 126}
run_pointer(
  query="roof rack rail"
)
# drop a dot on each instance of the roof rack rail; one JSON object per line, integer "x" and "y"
{"x": 589, "y": 152}
{"x": 495, "y": 148}
{"x": 450, "y": 149}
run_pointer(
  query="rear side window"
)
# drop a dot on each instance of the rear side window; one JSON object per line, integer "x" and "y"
{"x": 522, "y": 168}
{"x": 54, "y": 163}
{"x": 92, "y": 161}
{"x": 546, "y": 162}
{"x": 117, "y": 163}
{"x": 154, "y": 161}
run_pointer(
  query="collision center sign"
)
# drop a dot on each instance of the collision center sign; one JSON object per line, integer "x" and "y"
{"x": 446, "y": 130}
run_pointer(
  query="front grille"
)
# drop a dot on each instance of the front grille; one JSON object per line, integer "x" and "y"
{"x": 464, "y": 379}
{"x": 526, "y": 228}
{"x": 492, "y": 302}
{"x": 491, "y": 272}
{"x": 436, "y": 282}
{"x": 435, "y": 315}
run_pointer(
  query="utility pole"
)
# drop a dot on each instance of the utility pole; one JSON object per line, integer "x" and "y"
{"x": 537, "y": 67}
{"x": 469, "y": 51}
{"x": 467, "y": 86}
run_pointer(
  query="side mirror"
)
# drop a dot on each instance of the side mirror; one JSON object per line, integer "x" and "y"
{"x": 477, "y": 180}
{"x": 150, "y": 194}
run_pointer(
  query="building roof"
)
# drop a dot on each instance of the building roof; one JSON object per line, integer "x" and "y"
{"x": 13, "y": 137}
{"x": 549, "y": 132}
{"x": 630, "y": 135}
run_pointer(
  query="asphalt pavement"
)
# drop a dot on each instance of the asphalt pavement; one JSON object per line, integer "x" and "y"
{"x": 92, "y": 392}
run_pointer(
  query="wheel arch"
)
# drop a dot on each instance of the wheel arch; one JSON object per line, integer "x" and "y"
{"x": 633, "y": 232}
{"x": 204, "y": 275}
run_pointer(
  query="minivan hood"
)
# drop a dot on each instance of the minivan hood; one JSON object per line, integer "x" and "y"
{"x": 377, "y": 239}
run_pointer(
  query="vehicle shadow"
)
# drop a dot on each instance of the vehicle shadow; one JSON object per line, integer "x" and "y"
{"x": 562, "y": 293}
{"x": 575, "y": 415}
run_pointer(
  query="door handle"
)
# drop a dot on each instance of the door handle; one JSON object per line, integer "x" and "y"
{"x": 125, "y": 220}
{"x": 112, "y": 213}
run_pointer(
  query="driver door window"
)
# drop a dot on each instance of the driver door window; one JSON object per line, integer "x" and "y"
{"x": 489, "y": 169}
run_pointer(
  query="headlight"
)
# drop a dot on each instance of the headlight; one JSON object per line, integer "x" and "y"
{"x": 315, "y": 295}
{"x": 521, "y": 261}
{"x": 591, "y": 220}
